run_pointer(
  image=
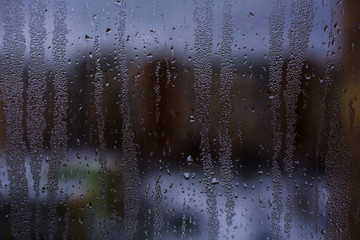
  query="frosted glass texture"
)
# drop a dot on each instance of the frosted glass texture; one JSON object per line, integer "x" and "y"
{"x": 179, "y": 119}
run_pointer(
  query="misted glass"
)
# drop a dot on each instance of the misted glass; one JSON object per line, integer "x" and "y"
{"x": 188, "y": 119}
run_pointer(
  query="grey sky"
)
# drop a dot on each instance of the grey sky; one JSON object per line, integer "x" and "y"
{"x": 159, "y": 20}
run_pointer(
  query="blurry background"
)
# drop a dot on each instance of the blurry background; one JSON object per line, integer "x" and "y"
{"x": 104, "y": 133}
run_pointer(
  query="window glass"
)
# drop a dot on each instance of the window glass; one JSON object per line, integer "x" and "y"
{"x": 191, "y": 119}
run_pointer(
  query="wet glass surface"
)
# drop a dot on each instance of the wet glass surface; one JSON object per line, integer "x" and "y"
{"x": 191, "y": 119}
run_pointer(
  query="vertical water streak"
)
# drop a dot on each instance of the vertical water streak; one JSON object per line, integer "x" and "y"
{"x": 325, "y": 121}
{"x": 157, "y": 92}
{"x": 226, "y": 79}
{"x": 98, "y": 95}
{"x": 203, "y": 17}
{"x": 58, "y": 138}
{"x": 129, "y": 159}
{"x": 183, "y": 227}
{"x": 329, "y": 75}
{"x": 302, "y": 15}
{"x": 317, "y": 207}
{"x": 337, "y": 168}
{"x": 158, "y": 215}
{"x": 12, "y": 66}
{"x": 351, "y": 112}
{"x": 168, "y": 73}
{"x": 35, "y": 122}
{"x": 276, "y": 61}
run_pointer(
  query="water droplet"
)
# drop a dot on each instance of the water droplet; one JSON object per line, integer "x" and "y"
{"x": 168, "y": 171}
{"x": 189, "y": 160}
{"x": 191, "y": 119}
{"x": 186, "y": 175}
{"x": 214, "y": 181}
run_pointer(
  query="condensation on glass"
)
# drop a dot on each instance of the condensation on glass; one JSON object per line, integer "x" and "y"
{"x": 191, "y": 119}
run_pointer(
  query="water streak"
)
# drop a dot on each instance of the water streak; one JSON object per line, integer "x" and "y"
{"x": 12, "y": 73}
{"x": 58, "y": 138}
{"x": 35, "y": 122}
{"x": 302, "y": 15}
{"x": 203, "y": 17}
{"x": 276, "y": 61}
{"x": 98, "y": 95}
{"x": 129, "y": 158}
{"x": 158, "y": 215}
{"x": 226, "y": 79}
{"x": 337, "y": 168}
